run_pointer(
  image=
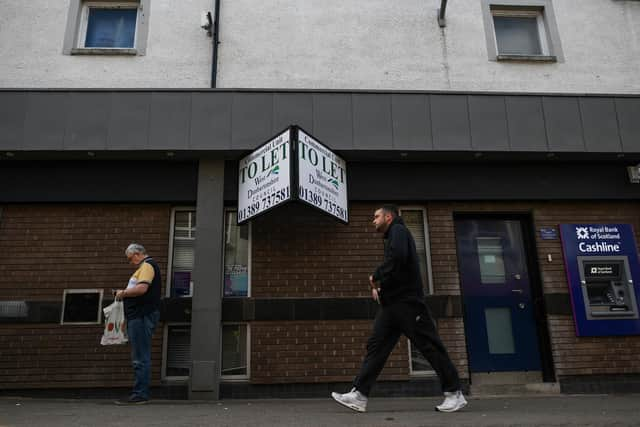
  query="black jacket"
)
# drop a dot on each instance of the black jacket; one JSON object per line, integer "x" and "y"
{"x": 399, "y": 274}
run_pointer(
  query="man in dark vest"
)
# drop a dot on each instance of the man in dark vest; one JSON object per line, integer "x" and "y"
{"x": 142, "y": 310}
{"x": 397, "y": 286}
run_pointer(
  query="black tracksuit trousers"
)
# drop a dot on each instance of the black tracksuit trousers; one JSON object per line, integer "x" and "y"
{"x": 414, "y": 320}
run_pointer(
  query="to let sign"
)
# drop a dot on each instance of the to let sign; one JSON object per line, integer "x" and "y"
{"x": 292, "y": 166}
{"x": 264, "y": 177}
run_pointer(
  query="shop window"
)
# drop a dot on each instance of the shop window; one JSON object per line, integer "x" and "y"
{"x": 81, "y": 306}
{"x": 107, "y": 27}
{"x": 177, "y": 363}
{"x": 183, "y": 239}
{"x": 235, "y": 352}
{"x": 416, "y": 221}
{"x": 236, "y": 257}
{"x": 522, "y": 30}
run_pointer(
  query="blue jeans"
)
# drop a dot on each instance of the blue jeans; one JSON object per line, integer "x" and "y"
{"x": 140, "y": 331}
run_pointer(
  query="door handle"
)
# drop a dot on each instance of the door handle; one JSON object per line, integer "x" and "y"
{"x": 519, "y": 291}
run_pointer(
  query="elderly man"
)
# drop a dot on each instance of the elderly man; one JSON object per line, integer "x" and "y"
{"x": 142, "y": 310}
{"x": 397, "y": 286}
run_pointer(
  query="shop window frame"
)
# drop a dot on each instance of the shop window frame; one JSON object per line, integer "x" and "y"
{"x": 171, "y": 244}
{"x": 237, "y": 378}
{"x": 429, "y": 289}
{"x": 227, "y": 211}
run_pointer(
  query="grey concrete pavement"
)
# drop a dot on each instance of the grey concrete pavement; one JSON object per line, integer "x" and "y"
{"x": 561, "y": 410}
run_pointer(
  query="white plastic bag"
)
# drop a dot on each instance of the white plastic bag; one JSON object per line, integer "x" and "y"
{"x": 114, "y": 325}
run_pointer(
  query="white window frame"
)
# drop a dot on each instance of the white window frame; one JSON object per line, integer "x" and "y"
{"x": 427, "y": 242}
{"x": 237, "y": 378}
{"x": 66, "y": 292}
{"x": 414, "y": 373}
{"x": 547, "y": 28}
{"x": 537, "y": 14}
{"x": 427, "y": 247}
{"x": 84, "y": 21}
{"x": 171, "y": 238}
{"x": 165, "y": 353}
{"x": 249, "y": 246}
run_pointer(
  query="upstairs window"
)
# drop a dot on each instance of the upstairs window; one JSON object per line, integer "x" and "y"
{"x": 109, "y": 26}
{"x": 101, "y": 27}
{"x": 521, "y": 30}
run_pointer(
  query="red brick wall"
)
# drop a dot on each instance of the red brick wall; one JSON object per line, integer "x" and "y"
{"x": 309, "y": 255}
{"x": 45, "y": 249}
{"x": 316, "y": 351}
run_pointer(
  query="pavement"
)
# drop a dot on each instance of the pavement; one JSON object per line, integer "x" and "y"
{"x": 556, "y": 410}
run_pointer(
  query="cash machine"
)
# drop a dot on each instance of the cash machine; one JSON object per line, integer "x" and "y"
{"x": 603, "y": 273}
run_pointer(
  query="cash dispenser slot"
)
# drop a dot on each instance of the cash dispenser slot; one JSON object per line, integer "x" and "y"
{"x": 607, "y": 288}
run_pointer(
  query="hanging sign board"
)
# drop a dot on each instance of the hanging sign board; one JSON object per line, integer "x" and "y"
{"x": 292, "y": 166}
{"x": 264, "y": 177}
{"x": 322, "y": 177}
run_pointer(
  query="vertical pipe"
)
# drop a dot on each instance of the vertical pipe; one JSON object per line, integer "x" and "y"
{"x": 216, "y": 41}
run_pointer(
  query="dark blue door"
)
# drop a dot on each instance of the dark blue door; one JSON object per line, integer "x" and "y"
{"x": 499, "y": 317}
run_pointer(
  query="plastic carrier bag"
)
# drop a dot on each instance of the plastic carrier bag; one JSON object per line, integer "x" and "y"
{"x": 114, "y": 325}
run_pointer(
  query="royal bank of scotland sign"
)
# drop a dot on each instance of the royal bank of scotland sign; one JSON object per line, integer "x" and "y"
{"x": 292, "y": 166}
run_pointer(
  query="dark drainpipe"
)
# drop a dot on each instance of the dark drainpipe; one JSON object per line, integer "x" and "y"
{"x": 441, "y": 11}
{"x": 216, "y": 41}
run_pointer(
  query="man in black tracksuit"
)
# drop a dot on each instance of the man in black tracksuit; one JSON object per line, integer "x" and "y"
{"x": 397, "y": 286}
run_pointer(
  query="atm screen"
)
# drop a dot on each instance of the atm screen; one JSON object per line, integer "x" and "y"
{"x": 602, "y": 270}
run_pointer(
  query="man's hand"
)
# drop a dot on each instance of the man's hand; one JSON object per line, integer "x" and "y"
{"x": 374, "y": 295}
{"x": 120, "y": 295}
{"x": 373, "y": 283}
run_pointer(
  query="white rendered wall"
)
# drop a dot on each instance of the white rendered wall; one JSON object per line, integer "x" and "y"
{"x": 328, "y": 44}
{"x": 32, "y": 36}
{"x": 382, "y": 44}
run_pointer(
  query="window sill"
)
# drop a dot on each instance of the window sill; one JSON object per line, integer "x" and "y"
{"x": 103, "y": 51}
{"x": 527, "y": 58}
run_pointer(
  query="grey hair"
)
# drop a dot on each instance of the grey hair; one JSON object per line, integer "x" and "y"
{"x": 135, "y": 248}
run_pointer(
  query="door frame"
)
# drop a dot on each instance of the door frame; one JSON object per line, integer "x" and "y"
{"x": 535, "y": 277}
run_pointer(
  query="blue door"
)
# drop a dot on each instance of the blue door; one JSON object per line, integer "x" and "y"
{"x": 498, "y": 313}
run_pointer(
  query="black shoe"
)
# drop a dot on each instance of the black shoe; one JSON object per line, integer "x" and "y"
{"x": 133, "y": 400}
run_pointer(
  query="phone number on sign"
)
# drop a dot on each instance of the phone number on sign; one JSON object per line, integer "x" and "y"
{"x": 323, "y": 203}
{"x": 264, "y": 203}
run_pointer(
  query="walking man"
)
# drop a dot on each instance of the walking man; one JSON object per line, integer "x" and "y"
{"x": 142, "y": 311}
{"x": 397, "y": 286}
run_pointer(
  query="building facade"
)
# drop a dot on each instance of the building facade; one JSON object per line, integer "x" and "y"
{"x": 491, "y": 128}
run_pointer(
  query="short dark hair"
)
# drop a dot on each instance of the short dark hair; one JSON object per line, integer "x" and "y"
{"x": 392, "y": 209}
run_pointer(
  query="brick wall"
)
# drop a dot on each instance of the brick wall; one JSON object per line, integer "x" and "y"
{"x": 316, "y": 351}
{"x": 45, "y": 249}
{"x": 310, "y": 255}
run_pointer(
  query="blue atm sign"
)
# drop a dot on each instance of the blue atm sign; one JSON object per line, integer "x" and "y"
{"x": 602, "y": 288}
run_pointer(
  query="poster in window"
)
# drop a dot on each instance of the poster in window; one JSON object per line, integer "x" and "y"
{"x": 236, "y": 280}
{"x": 181, "y": 284}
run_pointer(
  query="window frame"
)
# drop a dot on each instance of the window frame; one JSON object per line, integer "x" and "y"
{"x": 427, "y": 247}
{"x": 427, "y": 242}
{"x": 84, "y": 21}
{"x": 78, "y": 17}
{"x": 228, "y": 210}
{"x": 165, "y": 353}
{"x": 171, "y": 239}
{"x": 65, "y": 292}
{"x": 236, "y": 378}
{"x": 548, "y": 34}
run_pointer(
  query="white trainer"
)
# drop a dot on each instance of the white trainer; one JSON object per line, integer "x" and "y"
{"x": 352, "y": 400}
{"x": 453, "y": 401}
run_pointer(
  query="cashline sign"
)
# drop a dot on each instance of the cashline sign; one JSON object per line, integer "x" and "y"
{"x": 603, "y": 274}
{"x": 292, "y": 166}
